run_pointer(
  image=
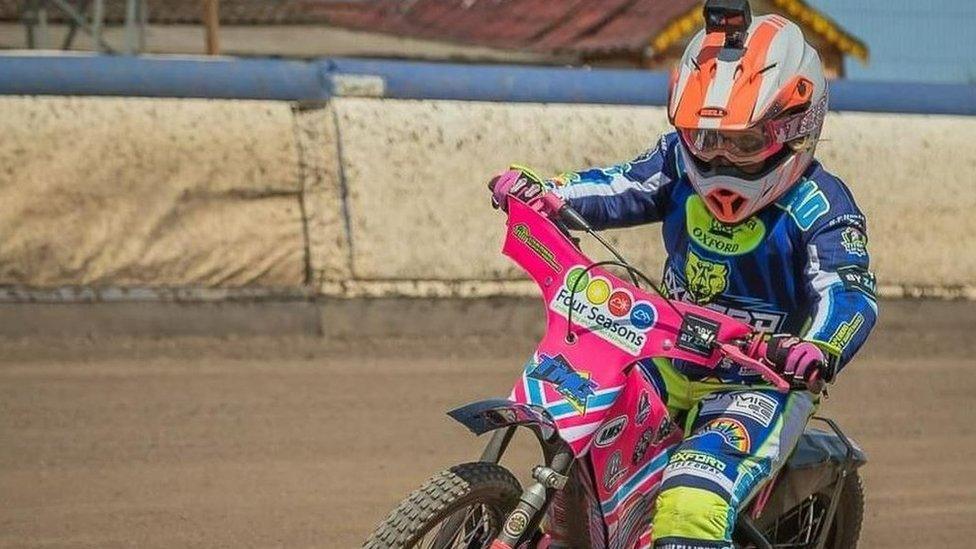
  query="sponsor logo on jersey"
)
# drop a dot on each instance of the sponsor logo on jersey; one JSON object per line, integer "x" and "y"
{"x": 733, "y": 432}
{"x": 524, "y": 235}
{"x": 610, "y": 432}
{"x": 855, "y": 277}
{"x": 706, "y": 279}
{"x": 755, "y": 406}
{"x": 610, "y": 313}
{"x": 575, "y": 387}
{"x": 854, "y": 241}
{"x": 718, "y": 237}
{"x": 846, "y": 332}
{"x": 760, "y": 317}
{"x": 806, "y": 203}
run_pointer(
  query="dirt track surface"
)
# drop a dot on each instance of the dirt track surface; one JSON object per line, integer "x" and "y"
{"x": 304, "y": 443}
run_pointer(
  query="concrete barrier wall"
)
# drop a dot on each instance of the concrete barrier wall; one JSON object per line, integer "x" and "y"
{"x": 140, "y": 192}
{"x": 381, "y": 197}
{"x": 416, "y": 174}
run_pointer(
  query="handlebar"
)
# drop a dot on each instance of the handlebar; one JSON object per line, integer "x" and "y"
{"x": 752, "y": 357}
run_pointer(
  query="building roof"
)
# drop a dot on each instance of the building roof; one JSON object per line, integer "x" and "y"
{"x": 583, "y": 27}
{"x": 579, "y": 26}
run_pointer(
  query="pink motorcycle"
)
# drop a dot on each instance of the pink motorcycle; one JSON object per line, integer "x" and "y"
{"x": 604, "y": 432}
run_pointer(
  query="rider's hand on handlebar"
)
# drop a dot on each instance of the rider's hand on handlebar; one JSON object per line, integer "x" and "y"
{"x": 518, "y": 182}
{"x": 796, "y": 359}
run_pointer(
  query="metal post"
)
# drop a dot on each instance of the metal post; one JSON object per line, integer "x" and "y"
{"x": 131, "y": 39}
{"x": 211, "y": 21}
{"x": 43, "y": 31}
{"x": 98, "y": 18}
{"x": 143, "y": 22}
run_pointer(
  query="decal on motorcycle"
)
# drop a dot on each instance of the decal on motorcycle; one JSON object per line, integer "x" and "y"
{"x": 643, "y": 408}
{"x": 640, "y": 450}
{"x": 610, "y": 313}
{"x": 855, "y": 277}
{"x": 614, "y": 471}
{"x": 733, "y": 432}
{"x": 524, "y": 235}
{"x": 697, "y": 334}
{"x": 636, "y": 517}
{"x": 706, "y": 279}
{"x": 610, "y": 432}
{"x": 575, "y": 387}
{"x": 516, "y": 523}
{"x": 753, "y": 405}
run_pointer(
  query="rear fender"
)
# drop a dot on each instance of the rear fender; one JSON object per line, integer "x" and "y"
{"x": 820, "y": 460}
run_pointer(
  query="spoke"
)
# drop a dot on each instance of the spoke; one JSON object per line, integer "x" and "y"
{"x": 466, "y": 528}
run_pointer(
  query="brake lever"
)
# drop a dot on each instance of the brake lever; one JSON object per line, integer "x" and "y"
{"x": 735, "y": 353}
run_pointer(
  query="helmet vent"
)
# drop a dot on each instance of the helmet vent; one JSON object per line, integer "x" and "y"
{"x": 725, "y": 203}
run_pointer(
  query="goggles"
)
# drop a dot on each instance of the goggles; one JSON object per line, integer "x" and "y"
{"x": 756, "y": 144}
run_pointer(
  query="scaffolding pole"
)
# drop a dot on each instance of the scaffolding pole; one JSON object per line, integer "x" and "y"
{"x": 211, "y": 23}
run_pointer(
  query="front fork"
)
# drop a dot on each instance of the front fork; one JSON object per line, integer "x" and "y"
{"x": 535, "y": 499}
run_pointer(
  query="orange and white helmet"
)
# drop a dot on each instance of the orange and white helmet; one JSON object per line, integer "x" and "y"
{"x": 748, "y": 101}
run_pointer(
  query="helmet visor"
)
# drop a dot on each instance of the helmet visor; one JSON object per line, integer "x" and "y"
{"x": 741, "y": 147}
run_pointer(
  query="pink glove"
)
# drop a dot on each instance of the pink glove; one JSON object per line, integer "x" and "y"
{"x": 516, "y": 182}
{"x": 796, "y": 358}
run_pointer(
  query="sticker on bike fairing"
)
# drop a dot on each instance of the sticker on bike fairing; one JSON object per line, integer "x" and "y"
{"x": 706, "y": 279}
{"x": 635, "y": 519}
{"x": 610, "y": 432}
{"x": 733, "y": 433}
{"x": 610, "y": 313}
{"x": 718, "y": 237}
{"x": 697, "y": 334}
{"x": 643, "y": 408}
{"x": 855, "y": 277}
{"x": 516, "y": 523}
{"x": 614, "y": 471}
{"x": 524, "y": 235}
{"x": 575, "y": 387}
{"x": 846, "y": 331}
{"x": 753, "y": 405}
{"x": 643, "y": 443}
{"x": 854, "y": 241}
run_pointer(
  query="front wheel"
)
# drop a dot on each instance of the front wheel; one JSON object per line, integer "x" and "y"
{"x": 463, "y": 507}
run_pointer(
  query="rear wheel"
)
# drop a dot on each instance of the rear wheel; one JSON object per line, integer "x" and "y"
{"x": 800, "y": 527}
{"x": 462, "y": 507}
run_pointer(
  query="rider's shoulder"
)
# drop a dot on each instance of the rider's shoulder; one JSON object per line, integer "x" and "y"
{"x": 819, "y": 199}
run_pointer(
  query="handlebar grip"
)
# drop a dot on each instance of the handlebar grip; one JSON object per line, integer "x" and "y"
{"x": 573, "y": 217}
{"x": 814, "y": 383}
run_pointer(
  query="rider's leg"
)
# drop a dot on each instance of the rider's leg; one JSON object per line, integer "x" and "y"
{"x": 739, "y": 438}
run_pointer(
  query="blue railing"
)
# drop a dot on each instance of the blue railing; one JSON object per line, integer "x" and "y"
{"x": 314, "y": 80}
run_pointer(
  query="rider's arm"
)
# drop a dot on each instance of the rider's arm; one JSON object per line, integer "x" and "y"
{"x": 625, "y": 194}
{"x": 841, "y": 286}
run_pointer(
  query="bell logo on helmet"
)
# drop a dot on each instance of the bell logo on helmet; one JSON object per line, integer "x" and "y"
{"x": 713, "y": 112}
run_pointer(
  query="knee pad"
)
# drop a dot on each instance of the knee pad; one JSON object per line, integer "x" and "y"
{"x": 692, "y": 518}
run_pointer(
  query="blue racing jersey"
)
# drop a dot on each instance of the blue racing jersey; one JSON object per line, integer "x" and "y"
{"x": 798, "y": 266}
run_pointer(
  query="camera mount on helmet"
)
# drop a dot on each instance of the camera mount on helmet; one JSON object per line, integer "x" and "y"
{"x": 731, "y": 17}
